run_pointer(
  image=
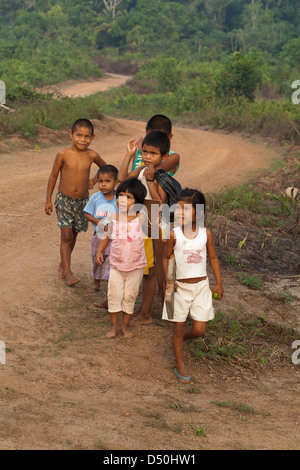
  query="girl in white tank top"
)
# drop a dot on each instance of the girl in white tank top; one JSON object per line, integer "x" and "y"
{"x": 190, "y": 243}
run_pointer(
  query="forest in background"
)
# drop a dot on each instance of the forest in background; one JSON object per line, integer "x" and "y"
{"x": 227, "y": 63}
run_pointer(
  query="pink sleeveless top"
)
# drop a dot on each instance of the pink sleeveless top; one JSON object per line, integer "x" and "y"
{"x": 127, "y": 250}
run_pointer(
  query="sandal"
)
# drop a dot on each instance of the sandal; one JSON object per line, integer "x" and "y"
{"x": 179, "y": 376}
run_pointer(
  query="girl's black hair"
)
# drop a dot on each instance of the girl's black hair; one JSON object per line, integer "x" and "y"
{"x": 158, "y": 139}
{"x": 135, "y": 187}
{"x": 194, "y": 197}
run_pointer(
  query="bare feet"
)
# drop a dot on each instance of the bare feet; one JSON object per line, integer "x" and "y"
{"x": 126, "y": 332}
{"x": 61, "y": 271}
{"x": 103, "y": 304}
{"x": 71, "y": 279}
{"x": 112, "y": 332}
{"x": 141, "y": 320}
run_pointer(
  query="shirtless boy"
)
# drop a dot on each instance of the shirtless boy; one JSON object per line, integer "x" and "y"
{"x": 73, "y": 164}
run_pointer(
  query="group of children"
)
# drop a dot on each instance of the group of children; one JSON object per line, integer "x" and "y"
{"x": 124, "y": 251}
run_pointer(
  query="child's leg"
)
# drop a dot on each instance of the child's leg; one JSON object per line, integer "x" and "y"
{"x": 67, "y": 244}
{"x": 177, "y": 343}
{"x": 181, "y": 334}
{"x": 125, "y": 325}
{"x": 197, "y": 330}
{"x": 113, "y": 325}
{"x": 149, "y": 289}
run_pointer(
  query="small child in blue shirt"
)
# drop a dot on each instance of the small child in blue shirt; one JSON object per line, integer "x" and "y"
{"x": 97, "y": 211}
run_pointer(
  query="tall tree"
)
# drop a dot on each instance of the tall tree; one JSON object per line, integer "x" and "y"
{"x": 111, "y": 5}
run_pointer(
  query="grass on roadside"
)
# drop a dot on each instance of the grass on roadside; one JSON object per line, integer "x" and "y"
{"x": 235, "y": 339}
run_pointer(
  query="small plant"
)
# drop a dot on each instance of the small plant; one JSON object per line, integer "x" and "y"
{"x": 240, "y": 407}
{"x": 286, "y": 296}
{"x": 181, "y": 407}
{"x": 254, "y": 282}
{"x": 198, "y": 431}
{"x": 231, "y": 258}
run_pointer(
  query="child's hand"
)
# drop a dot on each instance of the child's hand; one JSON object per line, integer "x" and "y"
{"x": 139, "y": 143}
{"x": 131, "y": 147}
{"x": 218, "y": 290}
{"x": 91, "y": 184}
{"x": 150, "y": 173}
{"x": 48, "y": 208}
{"x": 99, "y": 258}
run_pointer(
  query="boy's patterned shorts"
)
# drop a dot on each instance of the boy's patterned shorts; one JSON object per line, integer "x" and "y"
{"x": 69, "y": 212}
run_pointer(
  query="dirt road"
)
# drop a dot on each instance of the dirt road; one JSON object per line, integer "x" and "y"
{"x": 64, "y": 384}
{"x": 82, "y": 88}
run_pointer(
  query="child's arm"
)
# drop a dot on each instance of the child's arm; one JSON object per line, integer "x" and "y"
{"x": 100, "y": 162}
{"x": 58, "y": 162}
{"x": 156, "y": 191}
{"x": 167, "y": 254}
{"x": 171, "y": 162}
{"x": 123, "y": 171}
{"x": 214, "y": 262}
{"x": 103, "y": 244}
{"x": 91, "y": 218}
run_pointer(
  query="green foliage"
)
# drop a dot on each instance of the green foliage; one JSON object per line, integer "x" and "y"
{"x": 43, "y": 41}
{"x": 253, "y": 282}
{"x": 234, "y": 338}
{"x": 239, "y": 77}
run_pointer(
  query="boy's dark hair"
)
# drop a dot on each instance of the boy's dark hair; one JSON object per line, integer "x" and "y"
{"x": 82, "y": 123}
{"x": 158, "y": 139}
{"x": 135, "y": 187}
{"x": 159, "y": 122}
{"x": 108, "y": 169}
{"x": 194, "y": 197}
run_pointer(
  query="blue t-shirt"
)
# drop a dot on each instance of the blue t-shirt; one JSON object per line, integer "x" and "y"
{"x": 100, "y": 208}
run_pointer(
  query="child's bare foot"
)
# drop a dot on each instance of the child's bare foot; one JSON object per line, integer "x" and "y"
{"x": 71, "y": 279}
{"x": 141, "y": 320}
{"x": 61, "y": 271}
{"x": 136, "y": 312}
{"x": 112, "y": 332}
{"x": 96, "y": 286}
{"x": 126, "y": 332}
{"x": 93, "y": 289}
{"x": 103, "y": 304}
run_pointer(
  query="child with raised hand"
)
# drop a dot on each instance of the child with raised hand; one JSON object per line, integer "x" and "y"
{"x": 161, "y": 123}
{"x": 155, "y": 148}
{"x": 99, "y": 208}
{"x": 190, "y": 242}
{"x": 127, "y": 254}
{"x": 73, "y": 165}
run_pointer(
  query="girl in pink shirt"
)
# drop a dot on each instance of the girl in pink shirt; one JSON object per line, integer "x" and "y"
{"x": 127, "y": 254}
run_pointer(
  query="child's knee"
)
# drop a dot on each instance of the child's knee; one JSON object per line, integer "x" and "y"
{"x": 67, "y": 235}
{"x": 198, "y": 329}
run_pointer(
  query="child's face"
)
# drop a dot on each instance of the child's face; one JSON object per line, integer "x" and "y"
{"x": 151, "y": 155}
{"x": 185, "y": 213}
{"x": 106, "y": 183}
{"x": 125, "y": 201}
{"x": 82, "y": 137}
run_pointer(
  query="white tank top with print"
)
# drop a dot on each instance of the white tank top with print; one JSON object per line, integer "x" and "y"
{"x": 190, "y": 254}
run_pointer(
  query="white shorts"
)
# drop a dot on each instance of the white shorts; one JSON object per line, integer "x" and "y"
{"x": 123, "y": 288}
{"x": 192, "y": 299}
